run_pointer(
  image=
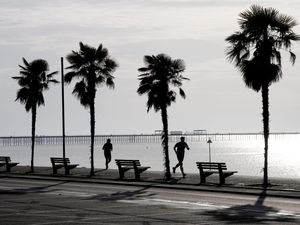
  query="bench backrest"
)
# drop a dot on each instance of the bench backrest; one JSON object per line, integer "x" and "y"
{"x": 5, "y": 159}
{"x": 59, "y": 160}
{"x": 211, "y": 166}
{"x": 127, "y": 162}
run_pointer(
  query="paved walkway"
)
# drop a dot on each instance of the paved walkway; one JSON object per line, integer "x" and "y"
{"x": 235, "y": 184}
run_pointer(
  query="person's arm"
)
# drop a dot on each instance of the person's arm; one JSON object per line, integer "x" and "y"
{"x": 188, "y": 148}
{"x": 175, "y": 146}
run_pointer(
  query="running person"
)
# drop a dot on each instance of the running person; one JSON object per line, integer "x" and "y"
{"x": 179, "y": 149}
{"x": 107, "y": 147}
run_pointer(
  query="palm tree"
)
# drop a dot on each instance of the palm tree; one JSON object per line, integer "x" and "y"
{"x": 93, "y": 67}
{"x": 159, "y": 73}
{"x": 33, "y": 81}
{"x": 256, "y": 51}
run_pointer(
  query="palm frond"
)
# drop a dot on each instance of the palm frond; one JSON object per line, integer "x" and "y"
{"x": 110, "y": 65}
{"x": 94, "y": 67}
{"x": 101, "y": 53}
{"x": 255, "y": 49}
{"x": 182, "y": 93}
{"x": 88, "y": 52}
{"x": 75, "y": 59}
{"x": 277, "y": 56}
{"x": 23, "y": 68}
{"x": 110, "y": 83}
{"x": 53, "y": 81}
{"x": 33, "y": 81}
{"x": 23, "y": 94}
{"x": 81, "y": 92}
{"x": 292, "y": 57}
{"x": 39, "y": 66}
{"x": 50, "y": 75}
{"x": 69, "y": 76}
{"x": 25, "y": 62}
{"x": 40, "y": 99}
{"x": 157, "y": 76}
{"x": 149, "y": 60}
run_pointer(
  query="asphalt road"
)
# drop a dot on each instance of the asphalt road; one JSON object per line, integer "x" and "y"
{"x": 43, "y": 202}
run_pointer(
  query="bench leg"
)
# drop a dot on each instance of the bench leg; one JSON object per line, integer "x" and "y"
{"x": 67, "y": 171}
{"x": 7, "y": 168}
{"x": 202, "y": 178}
{"x": 54, "y": 170}
{"x": 222, "y": 179}
{"x": 121, "y": 173}
{"x": 137, "y": 175}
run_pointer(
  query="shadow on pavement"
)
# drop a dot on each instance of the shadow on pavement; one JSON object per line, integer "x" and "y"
{"x": 257, "y": 213}
{"x": 40, "y": 189}
{"x": 125, "y": 195}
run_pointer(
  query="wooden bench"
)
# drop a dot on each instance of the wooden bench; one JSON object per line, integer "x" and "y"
{"x": 206, "y": 169}
{"x": 127, "y": 164}
{"x": 58, "y": 163}
{"x": 6, "y": 161}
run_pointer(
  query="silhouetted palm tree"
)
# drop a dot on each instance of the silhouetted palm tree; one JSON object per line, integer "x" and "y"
{"x": 255, "y": 50}
{"x": 33, "y": 81}
{"x": 93, "y": 67}
{"x": 159, "y": 73}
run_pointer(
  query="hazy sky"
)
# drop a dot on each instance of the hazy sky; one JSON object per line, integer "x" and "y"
{"x": 193, "y": 30}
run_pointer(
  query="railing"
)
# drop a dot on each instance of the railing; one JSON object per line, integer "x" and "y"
{"x": 135, "y": 138}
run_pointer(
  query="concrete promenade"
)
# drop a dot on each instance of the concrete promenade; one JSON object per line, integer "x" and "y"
{"x": 234, "y": 184}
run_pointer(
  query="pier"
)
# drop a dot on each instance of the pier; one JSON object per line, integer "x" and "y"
{"x": 135, "y": 138}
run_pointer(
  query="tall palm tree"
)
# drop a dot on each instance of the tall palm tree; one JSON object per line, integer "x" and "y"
{"x": 159, "y": 73}
{"x": 34, "y": 80}
{"x": 256, "y": 51}
{"x": 93, "y": 67}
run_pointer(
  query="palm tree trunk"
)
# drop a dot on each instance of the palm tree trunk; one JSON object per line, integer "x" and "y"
{"x": 33, "y": 121}
{"x": 92, "y": 121}
{"x": 265, "y": 101}
{"x": 165, "y": 142}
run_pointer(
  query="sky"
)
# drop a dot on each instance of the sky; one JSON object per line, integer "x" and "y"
{"x": 193, "y": 30}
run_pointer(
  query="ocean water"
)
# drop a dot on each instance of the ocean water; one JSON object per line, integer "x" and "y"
{"x": 245, "y": 155}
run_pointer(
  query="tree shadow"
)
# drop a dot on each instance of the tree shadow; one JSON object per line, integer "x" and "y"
{"x": 100, "y": 170}
{"x": 124, "y": 195}
{"x": 251, "y": 214}
{"x": 40, "y": 189}
{"x": 172, "y": 180}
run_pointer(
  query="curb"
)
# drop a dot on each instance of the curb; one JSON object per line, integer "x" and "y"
{"x": 188, "y": 187}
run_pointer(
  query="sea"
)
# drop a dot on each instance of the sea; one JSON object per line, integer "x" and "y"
{"x": 241, "y": 153}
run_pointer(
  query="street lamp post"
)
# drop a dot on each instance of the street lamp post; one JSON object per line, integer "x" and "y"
{"x": 63, "y": 106}
{"x": 209, "y": 142}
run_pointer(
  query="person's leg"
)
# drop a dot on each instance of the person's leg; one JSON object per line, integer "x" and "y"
{"x": 175, "y": 167}
{"x": 181, "y": 168}
{"x": 106, "y": 163}
{"x": 109, "y": 158}
{"x": 181, "y": 165}
{"x": 179, "y": 158}
{"x": 106, "y": 159}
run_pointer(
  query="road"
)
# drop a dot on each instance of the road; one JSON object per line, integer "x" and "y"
{"x": 44, "y": 202}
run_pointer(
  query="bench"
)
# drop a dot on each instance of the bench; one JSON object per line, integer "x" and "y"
{"x": 206, "y": 169}
{"x": 127, "y": 164}
{"x": 58, "y": 163}
{"x": 6, "y": 161}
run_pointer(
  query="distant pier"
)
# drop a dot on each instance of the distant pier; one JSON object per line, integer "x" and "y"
{"x": 135, "y": 138}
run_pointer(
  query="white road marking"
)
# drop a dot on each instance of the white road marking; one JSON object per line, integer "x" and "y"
{"x": 176, "y": 204}
{"x": 72, "y": 194}
{"x": 202, "y": 205}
